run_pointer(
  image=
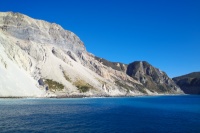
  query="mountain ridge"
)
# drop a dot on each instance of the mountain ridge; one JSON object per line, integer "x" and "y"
{"x": 57, "y": 64}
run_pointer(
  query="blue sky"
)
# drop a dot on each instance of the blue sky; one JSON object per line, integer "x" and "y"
{"x": 166, "y": 33}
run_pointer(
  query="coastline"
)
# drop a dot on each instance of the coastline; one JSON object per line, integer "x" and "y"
{"x": 84, "y": 96}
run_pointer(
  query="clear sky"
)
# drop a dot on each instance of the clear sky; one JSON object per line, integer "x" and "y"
{"x": 166, "y": 33}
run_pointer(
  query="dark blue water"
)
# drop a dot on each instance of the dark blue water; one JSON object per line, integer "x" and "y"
{"x": 156, "y": 114}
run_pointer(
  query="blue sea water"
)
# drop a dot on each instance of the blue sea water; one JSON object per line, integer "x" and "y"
{"x": 150, "y": 114}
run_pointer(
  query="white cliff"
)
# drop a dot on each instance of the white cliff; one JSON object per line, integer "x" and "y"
{"x": 41, "y": 59}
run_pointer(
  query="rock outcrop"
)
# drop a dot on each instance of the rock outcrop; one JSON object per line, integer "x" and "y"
{"x": 38, "y": 58}
{"x": 189, "y": 83}
{"x": 152, "y": 78}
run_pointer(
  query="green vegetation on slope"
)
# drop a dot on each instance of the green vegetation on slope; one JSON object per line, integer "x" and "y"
{"x": 53, "y": 85}
{"x": 82, "y": 86}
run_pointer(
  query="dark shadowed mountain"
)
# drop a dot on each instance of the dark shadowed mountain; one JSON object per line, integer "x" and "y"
{"x": 189, "y": 83}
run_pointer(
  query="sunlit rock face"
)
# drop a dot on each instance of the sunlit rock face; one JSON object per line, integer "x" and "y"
{"x": 41, "y": 59}
{"x": 28, "y": 29}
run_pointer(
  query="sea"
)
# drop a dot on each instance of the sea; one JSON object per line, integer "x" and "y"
{"x": 145, "y": 114}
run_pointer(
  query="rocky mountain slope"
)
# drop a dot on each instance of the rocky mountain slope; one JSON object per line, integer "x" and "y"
{"x": 189, "y": 83}
{"x": 152, "y": 78}
{"x": 41, "y": 59}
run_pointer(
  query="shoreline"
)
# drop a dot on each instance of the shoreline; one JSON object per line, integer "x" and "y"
{"x": 83, "y": 96}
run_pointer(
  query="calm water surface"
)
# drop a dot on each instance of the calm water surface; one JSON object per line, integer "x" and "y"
{"x": 154, "y": 114}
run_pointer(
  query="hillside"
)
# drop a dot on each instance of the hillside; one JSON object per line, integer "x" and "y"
{"x": 41, "y": 59}
{"x": 189, "y": 83}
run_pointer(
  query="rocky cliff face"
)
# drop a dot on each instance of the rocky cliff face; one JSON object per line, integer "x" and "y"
{"x": 38, "y": 58}
{"x": 114, "y": 65}
{"x": 25, "y": 28}
{"x": 189, "y": 83}
{"x": 152, "y": 78}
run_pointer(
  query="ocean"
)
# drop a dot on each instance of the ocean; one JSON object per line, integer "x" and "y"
{"x": 147, "y": 114}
